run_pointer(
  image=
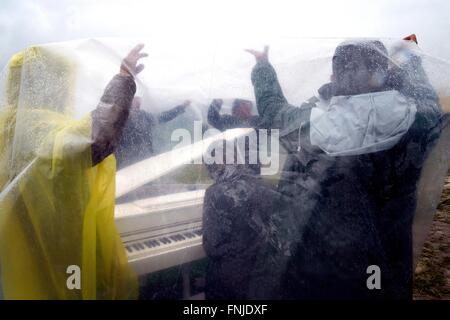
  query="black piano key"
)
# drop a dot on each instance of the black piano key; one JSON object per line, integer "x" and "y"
{"x": 198, "y": 232}
{"x": 149, "y": 244}
{"x": 161, "y": 241}
{"x": 165, "y": 240}
{"x": 129, "y": 249}
{"x": 156, "y": 243}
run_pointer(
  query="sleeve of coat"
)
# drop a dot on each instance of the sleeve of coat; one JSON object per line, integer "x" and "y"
{"x": 412, "y": 81}
{"x": 270, "y": 100}
{"x": 171, "y": 114}
{"x": 110, "y": 116}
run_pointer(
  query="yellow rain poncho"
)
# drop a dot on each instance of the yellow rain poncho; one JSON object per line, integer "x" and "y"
{"x": 56, "y": 208}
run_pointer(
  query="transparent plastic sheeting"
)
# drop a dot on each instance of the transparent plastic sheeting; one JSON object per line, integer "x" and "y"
{"x": 357, "y": 174}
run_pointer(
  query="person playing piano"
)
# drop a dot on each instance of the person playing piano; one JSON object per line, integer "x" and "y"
{"x": 236, "y": 215}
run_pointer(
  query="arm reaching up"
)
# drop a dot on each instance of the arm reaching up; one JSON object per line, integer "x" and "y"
{"x": 109, "y": 118}
{"x": 274, "y": 110}
{"x": 268, "y": 93}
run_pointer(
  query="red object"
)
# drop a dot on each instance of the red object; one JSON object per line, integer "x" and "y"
{"x": 411, "y": 37}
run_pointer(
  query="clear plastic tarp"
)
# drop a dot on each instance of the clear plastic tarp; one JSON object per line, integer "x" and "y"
{"x": 289, "y": 177}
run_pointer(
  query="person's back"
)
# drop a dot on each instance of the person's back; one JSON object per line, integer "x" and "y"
{"x": 236, "y": 217}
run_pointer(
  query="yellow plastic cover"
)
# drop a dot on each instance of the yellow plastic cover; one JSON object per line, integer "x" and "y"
{"x": 56, "y": 209}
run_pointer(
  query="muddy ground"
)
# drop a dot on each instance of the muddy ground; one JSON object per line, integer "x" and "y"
{"x": 432, "y": 275}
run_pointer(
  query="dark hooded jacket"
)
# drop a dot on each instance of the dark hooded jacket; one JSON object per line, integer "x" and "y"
{"x": 349, "y": 186}
{"x": 236, "y": 215}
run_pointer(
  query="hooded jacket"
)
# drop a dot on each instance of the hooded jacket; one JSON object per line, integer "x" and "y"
{"x": 236, "y": 216}
{"x": 350, "y": 186}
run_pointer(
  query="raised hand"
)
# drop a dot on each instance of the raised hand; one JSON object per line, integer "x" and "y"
{"x": 129, "y": 64}
{"x": 260, "y": 55}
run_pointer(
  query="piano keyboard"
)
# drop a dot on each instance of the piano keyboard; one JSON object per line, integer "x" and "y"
{"x": 162, "y": 232}
{"x": 159, "y": 253}
{"x": 146, "y": 244}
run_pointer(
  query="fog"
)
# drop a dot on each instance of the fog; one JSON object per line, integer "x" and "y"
{"x": 27, "y": 22}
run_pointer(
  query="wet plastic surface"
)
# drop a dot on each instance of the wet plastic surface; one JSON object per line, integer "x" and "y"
{"x": 355, "y": 174}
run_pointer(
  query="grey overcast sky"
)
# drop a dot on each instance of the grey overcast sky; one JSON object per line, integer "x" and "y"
{"x": 27, "y": 22}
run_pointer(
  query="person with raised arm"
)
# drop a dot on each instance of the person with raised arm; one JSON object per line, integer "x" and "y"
{"x": 349, "y": 185}
{"x": 58, "y": 239}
